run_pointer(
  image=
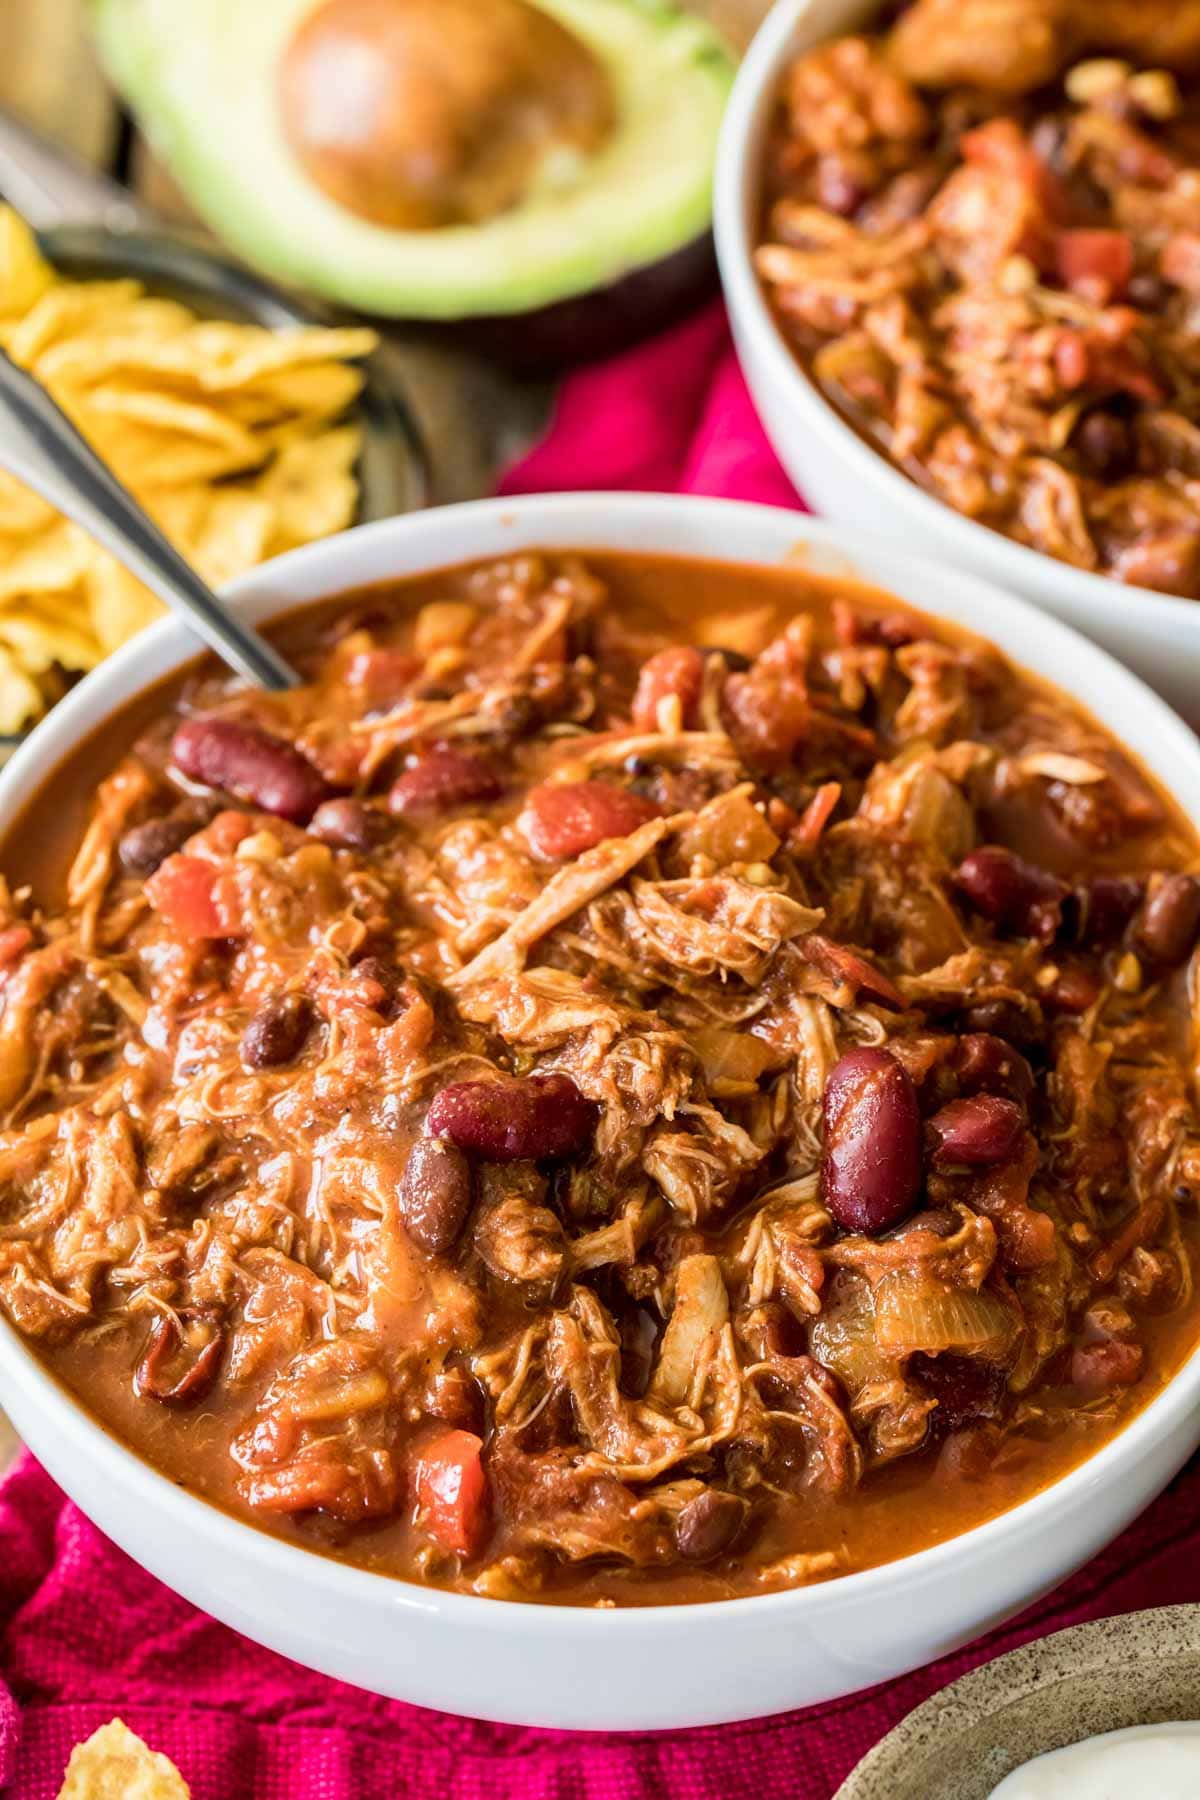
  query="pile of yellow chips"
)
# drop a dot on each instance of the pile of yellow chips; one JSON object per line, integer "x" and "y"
{"x": 114, "y": 1764}
{"x": 231, "y": 436}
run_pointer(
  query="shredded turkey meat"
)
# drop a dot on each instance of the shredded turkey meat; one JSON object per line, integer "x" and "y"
{"x": 983, "y": 238}
{"x": 567, "y": 1100}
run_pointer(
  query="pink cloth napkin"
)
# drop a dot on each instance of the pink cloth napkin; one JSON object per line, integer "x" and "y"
{"x": 85, "y": 1634}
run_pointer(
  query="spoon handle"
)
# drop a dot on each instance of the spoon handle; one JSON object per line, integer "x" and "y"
{"x": 41, "y": 447}
{"x": 49, "y": 187}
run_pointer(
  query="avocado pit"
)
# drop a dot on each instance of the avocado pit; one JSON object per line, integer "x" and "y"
{"x": 416, "y": 117}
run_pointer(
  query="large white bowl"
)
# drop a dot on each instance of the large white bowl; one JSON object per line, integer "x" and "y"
{"x": 597, "y": 1669}
{"x": 834, "y": 468}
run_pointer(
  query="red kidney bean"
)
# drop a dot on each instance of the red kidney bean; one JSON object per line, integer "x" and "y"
{"x": 276, "y": 1033}
{"x": 985, "y": 1064}
{"x": 674, "y": 674}
{"x": 1106, "y": 905}
{"x": 1074, "y": 989}
{"x": 435, "y": 1195}
{"x": 442, "y": 779}
{"x": 1096, "y": 1368}
{"x": 250, "y": 764}
{"x": 348, "y": 825}
{"x": 383, "y": 975}
{"x": 1005, "y": 1019}
{"x": 707, "y": 1525}
{"x": 977, "y": 1133}
{"x": 966, "y": 1388}
{"x": 1013, "y": 894}
{"x": 537, "y": 1118}
{"x": 181, "y": 1358}
{"x": 839, "y": 189}
{"x": 564, "y": 818}
{"x": 844, "y": 965}
{"x": 892, "y": 630}
{"x": 871, "y": 1160}
{"x": 1169, "y": 922}
{"x": 143, "y": 847}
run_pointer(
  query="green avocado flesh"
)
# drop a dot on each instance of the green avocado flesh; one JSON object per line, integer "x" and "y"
{"x": 202, "y": 80}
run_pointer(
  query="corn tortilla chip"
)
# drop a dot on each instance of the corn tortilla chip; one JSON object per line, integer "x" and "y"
{"x": 25, "y": 275}
{"x": 114, "y": 1764}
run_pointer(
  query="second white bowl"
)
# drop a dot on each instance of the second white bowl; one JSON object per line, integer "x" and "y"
{"x": 835, "y": 469}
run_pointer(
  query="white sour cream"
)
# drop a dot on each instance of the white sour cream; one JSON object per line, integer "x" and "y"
{"x": 1157, "y": 1762}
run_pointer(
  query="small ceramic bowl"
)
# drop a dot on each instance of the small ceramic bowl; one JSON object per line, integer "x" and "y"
{"x": 1139, "y": 1669}
{"x": 836, "y": 470}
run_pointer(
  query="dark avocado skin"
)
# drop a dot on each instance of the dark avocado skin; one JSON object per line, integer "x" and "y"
{"x": 586, "y": 327}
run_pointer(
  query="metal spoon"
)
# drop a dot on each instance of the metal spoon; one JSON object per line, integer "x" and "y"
{"x": 41, "y": 447}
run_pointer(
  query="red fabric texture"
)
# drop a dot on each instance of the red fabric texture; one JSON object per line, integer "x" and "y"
{"x": 85, "y": 1634}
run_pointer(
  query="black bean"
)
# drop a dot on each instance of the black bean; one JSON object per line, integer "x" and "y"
{"x": 144, "y": 847}
{"x": 708, "y": 1524}
{"x": 1105, "y": 444}
{"x": 435, "y": 1194}
{"x": 276, "y": 1033}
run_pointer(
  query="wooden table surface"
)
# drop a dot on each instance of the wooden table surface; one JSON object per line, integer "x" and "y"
{"x": 475, "y": 418}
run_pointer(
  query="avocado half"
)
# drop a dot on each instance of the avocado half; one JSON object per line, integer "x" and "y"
{"x": 564, "y": 275}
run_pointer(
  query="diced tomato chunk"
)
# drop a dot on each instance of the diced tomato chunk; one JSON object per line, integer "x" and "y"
{"x": 563, "y": 818}
{"x": 1087, "y": 259}
{"x": 187, "y": 894}
{"x": 1000, "y": 145}
{"x": 675, "y": 674}
{"x": 452, "y": 1491}
{"x": 383, "y": 676}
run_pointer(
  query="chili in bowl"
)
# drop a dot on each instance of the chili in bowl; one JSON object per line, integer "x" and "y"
{"x": 655, "y": 1089}
{"x": 964, "y": 233}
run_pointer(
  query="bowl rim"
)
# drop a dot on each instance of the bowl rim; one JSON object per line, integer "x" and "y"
{"x": 736, "y": 193}
{"x": 318, "y": 571}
